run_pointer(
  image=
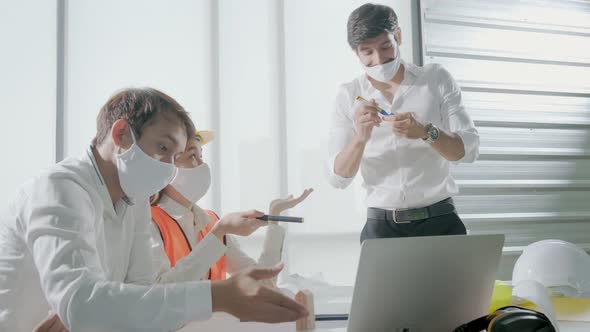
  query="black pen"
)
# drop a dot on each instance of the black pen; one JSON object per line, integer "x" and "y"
{"x": 267, "y": 217}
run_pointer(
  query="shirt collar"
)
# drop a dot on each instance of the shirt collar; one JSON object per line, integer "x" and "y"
{"x": 410, "y": 74}
{"x": 101, "y": 184}
{"x": 96, "y": 173}
{"x": 172, "y": 207}
{"x": 411, "y": 69}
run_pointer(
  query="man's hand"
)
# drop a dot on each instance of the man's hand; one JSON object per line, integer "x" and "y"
{"x": 51, "y": 324}
{"x": 245, "y": 297}
{"x": 281, "y": 204}
{"x": 405, "y": 125}
{"x": 366, "y": 118}
{"x": 239, "y": 223}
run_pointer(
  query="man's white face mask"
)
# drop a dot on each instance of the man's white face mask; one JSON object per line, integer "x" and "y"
{"x": 385, "y": 72}
{"x": 141, "y": 175}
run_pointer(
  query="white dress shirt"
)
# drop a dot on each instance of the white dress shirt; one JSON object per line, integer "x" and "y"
{"x": 399, "y": 172}
{"x": 208, "y": 251}
{"x": 65, "y": 247}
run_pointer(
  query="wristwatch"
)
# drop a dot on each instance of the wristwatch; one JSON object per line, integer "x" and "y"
{"x": 432, "y": 133}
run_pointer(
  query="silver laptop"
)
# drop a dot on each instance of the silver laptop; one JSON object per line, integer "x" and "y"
{"x": 423, "y": 284}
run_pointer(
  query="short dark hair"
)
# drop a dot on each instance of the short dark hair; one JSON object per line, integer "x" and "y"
{"x": 369, "y": 21}
{"x": 139, "y": 107}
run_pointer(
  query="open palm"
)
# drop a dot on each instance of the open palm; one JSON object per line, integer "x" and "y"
{"x": 281, "y": 204}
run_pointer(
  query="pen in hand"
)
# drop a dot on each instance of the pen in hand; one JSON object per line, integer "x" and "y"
{"x": 377, "y": 108}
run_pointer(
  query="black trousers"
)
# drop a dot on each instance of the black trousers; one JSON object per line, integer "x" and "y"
{"x": 448, "y": 224}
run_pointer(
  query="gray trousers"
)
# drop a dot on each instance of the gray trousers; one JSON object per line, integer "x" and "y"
{"x": 448, "y": 224}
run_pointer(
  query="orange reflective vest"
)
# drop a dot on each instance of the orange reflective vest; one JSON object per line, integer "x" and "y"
{"x": 177, "y": 245}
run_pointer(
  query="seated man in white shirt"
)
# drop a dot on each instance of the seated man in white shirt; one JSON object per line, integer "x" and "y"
{"x": 403, "y": 132}
{"x": 190, "y": 243}
{"x": 76, "y": 240}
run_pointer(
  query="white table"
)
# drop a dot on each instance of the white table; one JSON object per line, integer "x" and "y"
{"x": 321, "y": 326}
{"x": 335, "y": 300}
{"x": 563, "y": 327}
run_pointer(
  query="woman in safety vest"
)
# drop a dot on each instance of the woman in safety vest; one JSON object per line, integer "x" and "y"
{"x": 190, "y": 243}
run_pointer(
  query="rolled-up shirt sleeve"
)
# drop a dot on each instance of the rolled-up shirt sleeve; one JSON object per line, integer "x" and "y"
{"x": 272, "y": 249}
{"x": 453, "y": 111}
{"x": 54, "y": 219}
{"x": 237, "y": 260}
{"x": 341, "y": 134}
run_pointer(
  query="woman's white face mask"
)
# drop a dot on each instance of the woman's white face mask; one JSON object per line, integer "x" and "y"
{"x": 140, "y": 175}
{"x": 385, "y": 72}
{"x": 193, "y": 183}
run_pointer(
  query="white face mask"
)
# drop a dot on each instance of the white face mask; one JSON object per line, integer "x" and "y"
{"x": 192, "y": 183}
{"x": 141, "y": 175}
{"x": 386, "y": 71}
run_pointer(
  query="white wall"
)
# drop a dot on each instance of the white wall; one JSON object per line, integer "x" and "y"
{"x": 117, "y": 44}
{"x": 27, "y": 90}
{"x": 249, "y": 109}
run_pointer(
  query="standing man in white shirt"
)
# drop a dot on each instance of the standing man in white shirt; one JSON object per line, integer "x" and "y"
{"x": 402, "y": 134}
{"x": 76, "y": 240}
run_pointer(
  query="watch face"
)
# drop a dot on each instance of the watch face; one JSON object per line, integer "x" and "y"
{"x": 433, "y": 133}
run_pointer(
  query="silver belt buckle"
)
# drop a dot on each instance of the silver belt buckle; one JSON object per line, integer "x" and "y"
{"x": 415, "y": 214}
{"x": 394, "y": 215}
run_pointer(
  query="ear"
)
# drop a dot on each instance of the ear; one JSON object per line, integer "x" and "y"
{"x": 398, "y": 35}
{"x": 121, "y": 134}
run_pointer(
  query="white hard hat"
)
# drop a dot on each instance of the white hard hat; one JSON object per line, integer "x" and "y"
{"x": 555, "y": 264}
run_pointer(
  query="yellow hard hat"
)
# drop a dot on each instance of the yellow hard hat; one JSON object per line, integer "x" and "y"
{"x": 204, "y": 136}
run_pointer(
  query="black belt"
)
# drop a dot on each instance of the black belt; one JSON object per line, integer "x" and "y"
{"x": 404, "y": 216}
